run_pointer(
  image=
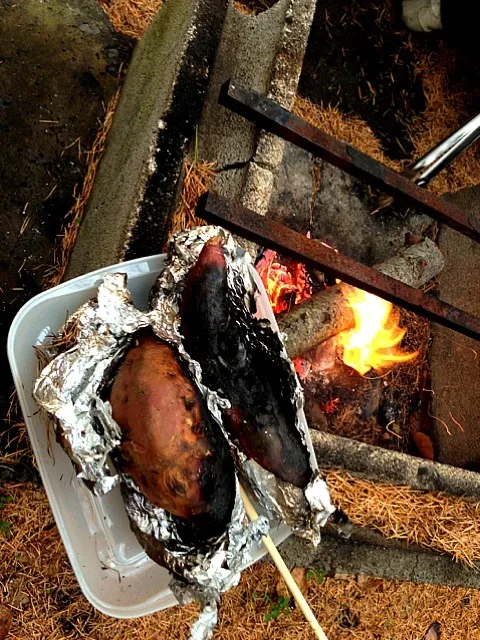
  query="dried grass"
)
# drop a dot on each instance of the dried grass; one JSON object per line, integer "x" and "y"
{"x": 39, "y": 588}
{"x": 431, "y": 520}
{"x": 444, "y": 113}
{"x": 131, "y": 17}
{"x": 350, "y": 129}
{"x": 14, "y": 434}
{"x": 73, "y": 219}
{"x": 197, "y": 180}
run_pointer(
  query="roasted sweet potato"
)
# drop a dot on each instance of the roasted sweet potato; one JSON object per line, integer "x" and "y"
{"x": 238, "y": 364}
{"x": 171, "y": 448}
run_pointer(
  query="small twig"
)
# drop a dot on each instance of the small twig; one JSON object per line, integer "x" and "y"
{"x": 51, "y": 192}
{"x": 24, "y": 226}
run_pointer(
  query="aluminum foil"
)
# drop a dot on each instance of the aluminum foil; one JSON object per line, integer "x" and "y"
{"x": 306, "y": 511}
{"x": 69, "y": 388}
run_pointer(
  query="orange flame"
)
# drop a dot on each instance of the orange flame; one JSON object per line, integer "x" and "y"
{"x": 285, "y": 285}
{"x": 373, "y": 342}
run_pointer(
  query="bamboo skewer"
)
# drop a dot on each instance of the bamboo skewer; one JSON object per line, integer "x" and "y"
{"x": 285, "y": 573}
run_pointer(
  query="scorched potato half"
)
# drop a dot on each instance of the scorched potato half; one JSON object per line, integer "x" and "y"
{"x": 236, "y": 362}
{"x": 171, "y": 447}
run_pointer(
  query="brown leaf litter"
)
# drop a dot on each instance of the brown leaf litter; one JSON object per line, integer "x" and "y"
{"x": 348, "y": 128}
{"x": 39, "y": 589}
{"x": 131, "y": 17}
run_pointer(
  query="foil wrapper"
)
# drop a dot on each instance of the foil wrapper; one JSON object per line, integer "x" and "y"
{"x": 306, "y": 511}
{"x": 70, "y": 387}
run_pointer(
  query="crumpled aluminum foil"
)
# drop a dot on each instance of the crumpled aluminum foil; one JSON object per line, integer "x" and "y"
{"x": 306, "y": 511}
{"x": 69, "y": 388}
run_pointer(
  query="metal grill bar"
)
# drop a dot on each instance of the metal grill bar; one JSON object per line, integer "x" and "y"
{"x": 274, "y": 118}
{"x": 271, "y": 234}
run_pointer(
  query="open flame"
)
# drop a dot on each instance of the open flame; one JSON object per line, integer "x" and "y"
{"x": 285, "y": 285}
{"x": 374, "y": 341}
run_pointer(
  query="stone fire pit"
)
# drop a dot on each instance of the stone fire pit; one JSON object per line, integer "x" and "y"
{"x": 169, "y": 108}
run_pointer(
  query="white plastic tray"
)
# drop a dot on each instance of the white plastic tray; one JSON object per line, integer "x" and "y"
{"x": 113, "y": 571}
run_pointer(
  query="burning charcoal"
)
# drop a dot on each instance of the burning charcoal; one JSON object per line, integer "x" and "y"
{"x": 170, "y": 446}
{"x": 237, "y": 363}
{"x": 286, "y": 282}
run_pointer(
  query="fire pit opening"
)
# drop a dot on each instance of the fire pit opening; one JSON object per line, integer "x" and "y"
{"x": 371, "y": 372}
{"x": 369, "y": 381}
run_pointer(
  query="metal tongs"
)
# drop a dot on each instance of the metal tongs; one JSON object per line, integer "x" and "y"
{"x": 423, "y": 170}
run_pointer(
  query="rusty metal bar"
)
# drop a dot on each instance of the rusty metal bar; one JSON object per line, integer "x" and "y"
{"x": 269, "y": 115}
{"x": 271, "y": 234}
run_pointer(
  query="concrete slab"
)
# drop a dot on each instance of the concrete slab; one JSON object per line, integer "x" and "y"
{"x": 264, "y": 53}
{"x": 247, "y": 54}
{"x": 455, "y": 359}
{"x": 313, "y": 195}
{"x": 342, "y": 217}
{"x": 160, "y": 105}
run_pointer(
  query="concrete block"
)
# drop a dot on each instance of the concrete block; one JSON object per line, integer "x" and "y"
{"x": 160, "y": 105}
{"x": 454, "y": 359}
{"x": 264, "y": 53}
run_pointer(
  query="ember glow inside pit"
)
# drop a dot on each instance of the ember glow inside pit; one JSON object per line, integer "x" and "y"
{"x": 356, "y": 383}
{"x": 372, "y": 343}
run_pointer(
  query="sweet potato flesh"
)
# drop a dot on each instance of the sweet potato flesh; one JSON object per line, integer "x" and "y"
{"x": 164, "y": 447}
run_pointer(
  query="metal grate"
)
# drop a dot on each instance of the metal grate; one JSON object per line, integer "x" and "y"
{"x": 233, "y": 216}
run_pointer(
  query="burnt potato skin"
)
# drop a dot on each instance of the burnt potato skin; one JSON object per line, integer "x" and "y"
{"x": 176, "y": 455}
{"x": 262, "y": 418}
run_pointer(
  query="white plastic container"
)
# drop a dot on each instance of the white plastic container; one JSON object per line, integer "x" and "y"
{"x": 113, "y": 571}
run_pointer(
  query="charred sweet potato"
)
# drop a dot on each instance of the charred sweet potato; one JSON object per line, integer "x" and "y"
{"x": 171, "y": 448}
{"x": 262, "y": 418}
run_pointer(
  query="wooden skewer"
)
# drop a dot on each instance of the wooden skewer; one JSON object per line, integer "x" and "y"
{"x": 286, "y": 575}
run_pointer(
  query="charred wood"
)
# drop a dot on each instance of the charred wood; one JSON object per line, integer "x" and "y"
{"x": 327, "y": 313}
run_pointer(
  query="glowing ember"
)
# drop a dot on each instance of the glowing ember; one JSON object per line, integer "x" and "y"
{"x": 373, "y": 342}
{"x": 331, "y": 406}
{"x": 285, "y": 285}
